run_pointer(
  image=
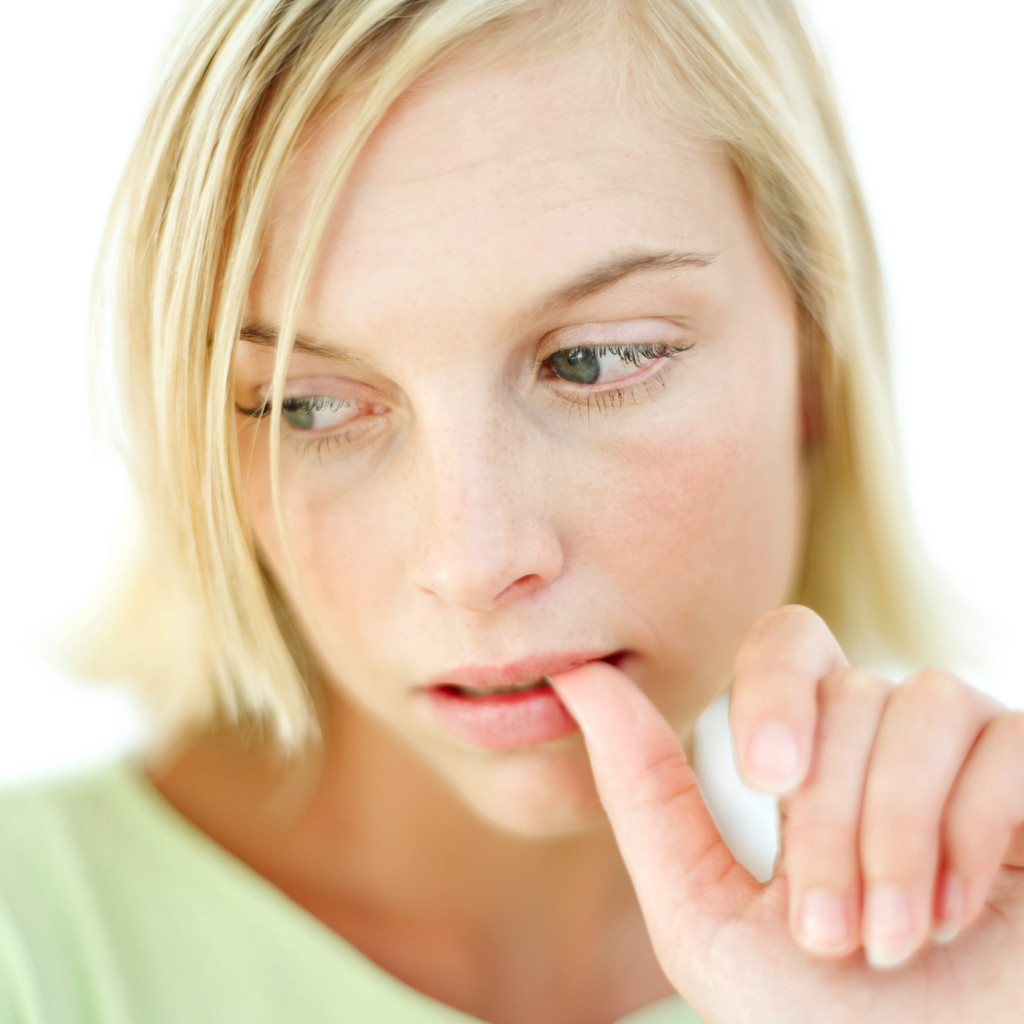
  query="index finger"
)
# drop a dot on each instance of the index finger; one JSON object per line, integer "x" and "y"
{"x": 773, "y": 708}
{"x": 683, "y": 872}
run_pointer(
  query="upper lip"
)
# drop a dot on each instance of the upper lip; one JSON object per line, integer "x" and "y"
{"x": 521, "y": 670}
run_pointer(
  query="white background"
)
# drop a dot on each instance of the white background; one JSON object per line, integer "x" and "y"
{"x": 933, "y": 94}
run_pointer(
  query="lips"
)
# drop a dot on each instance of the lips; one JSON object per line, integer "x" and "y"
{"x": 497, "y": 691}
{"x": 509, "y": 705}
{"x": 513, "y": 673}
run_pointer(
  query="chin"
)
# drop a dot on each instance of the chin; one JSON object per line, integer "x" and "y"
{"x": 533, "y": 793}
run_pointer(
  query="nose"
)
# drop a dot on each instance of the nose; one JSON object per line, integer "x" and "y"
{"x": 485, "y": 533}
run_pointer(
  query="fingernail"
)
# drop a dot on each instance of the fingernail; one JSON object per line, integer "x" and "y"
{"x": 889, "y": 930}
{"x": 823, "y": 922}
{"x": 773, "y": 760}
{"x": 951, "y": 909}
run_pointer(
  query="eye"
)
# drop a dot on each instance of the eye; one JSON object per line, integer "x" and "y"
{"x": 313, "y": 413}
{"x": 319, "y": 412}
{"x": 606, "y": 364}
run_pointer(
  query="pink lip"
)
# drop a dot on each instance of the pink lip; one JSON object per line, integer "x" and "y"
{"x": 520, "y": 671}
{"x": 506, "y": 720}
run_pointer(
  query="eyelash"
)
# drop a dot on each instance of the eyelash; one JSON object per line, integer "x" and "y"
{"x": 316, "y": 403}
{"x": 634, "y": 354}
{"x": 318, "y": 444}
{"x": 588, "y": 397}
{"x": 585, "y": 396}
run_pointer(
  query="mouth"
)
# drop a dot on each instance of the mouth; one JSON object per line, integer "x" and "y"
{"x": 496, "y": 691}
{"x": 511, "y": 705}
{"x": 521, "y": 674}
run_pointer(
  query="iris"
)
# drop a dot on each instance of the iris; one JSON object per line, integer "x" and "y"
{"x": 578, "y": 365}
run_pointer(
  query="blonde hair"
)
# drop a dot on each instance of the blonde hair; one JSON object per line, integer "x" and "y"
{"x": 199, "y": 626}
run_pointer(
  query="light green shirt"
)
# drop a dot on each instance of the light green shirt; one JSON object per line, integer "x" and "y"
{"x": 114, "y": 909}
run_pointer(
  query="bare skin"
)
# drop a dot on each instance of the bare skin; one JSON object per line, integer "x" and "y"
{"x": 878, "y": 804}
{"x": 454, "y": 497}
{"x": 381, "y": 853}
{"x": 736, "y": 950}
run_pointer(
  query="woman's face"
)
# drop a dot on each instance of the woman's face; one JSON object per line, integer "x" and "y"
{"x": 544, "y": 408}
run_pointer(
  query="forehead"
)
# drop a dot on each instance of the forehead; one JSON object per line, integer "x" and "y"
{"x": 496, "y": 177}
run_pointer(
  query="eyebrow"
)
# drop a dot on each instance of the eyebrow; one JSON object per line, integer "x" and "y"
{"x": 619, "y": 266}
{"x": 590, "y": 282}
{"x": 262, "y": 334}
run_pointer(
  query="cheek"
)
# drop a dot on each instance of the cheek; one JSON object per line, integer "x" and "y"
{"x": 703, "y": 493}
{"x": 336, "y": 545}
{"x": 721, "y": 494}
{"x": 713, "y": 528}
{"x": 683, "y": 532}
{"x": 342, "y": 590}
{"x": 702, "y": 531}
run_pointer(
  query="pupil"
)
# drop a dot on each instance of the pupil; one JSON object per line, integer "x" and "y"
{"x": 578, "y": 365}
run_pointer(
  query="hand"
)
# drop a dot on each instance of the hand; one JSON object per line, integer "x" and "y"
{"x": 902, "y": 840}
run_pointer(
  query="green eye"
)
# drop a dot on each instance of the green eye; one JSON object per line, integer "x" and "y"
{"x": 318, "y": 412}
{"x": 578, "y": 365}
{"x": 606, "y": 364}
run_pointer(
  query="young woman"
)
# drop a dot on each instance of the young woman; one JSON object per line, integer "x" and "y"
{"x": 508, "y": 382}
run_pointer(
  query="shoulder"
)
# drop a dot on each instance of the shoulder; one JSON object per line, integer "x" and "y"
{"x": 49, "y": 830}
{"x": 63, "y": 842}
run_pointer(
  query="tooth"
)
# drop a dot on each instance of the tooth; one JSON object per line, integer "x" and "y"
{"x": 492, "y": 691}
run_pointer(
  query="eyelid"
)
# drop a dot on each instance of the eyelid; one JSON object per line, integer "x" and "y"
{"x": 306, "y": 387}
{"x": 641, "y": 331}
{"x": 310, "y": 387}
{"x": 651, "y": 365}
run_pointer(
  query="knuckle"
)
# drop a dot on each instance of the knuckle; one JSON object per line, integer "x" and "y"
{"x": 790, "y": 618}
{"x": 820, "y": 832}
{"x": 663, "y": 782}
{"x": 938, "y": 698}
{"x": 790, "y": 638}
{"x": 889, "y": 837}
{"x": 1007, "y": 729}
{"x": 935, "y": 688}
{"x": 854, "y": 685}
{"x": 969, "y": 839}
{"x": 799, "y": 614}
{"x": 959, "y": 824}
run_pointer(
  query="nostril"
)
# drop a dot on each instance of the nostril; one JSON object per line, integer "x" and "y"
{"x": 521, "y": 587}
{"x": 479, "y": 559}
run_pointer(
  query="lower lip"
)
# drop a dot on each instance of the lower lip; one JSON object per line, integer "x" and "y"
{"x": 503, "y": 720}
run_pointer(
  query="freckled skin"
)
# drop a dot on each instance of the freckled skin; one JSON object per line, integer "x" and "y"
{"x": 486, "y": 515}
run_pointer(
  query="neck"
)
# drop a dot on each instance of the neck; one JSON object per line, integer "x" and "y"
{"x": 376, "y": 846}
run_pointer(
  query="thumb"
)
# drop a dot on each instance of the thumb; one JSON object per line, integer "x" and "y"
{"x": 686, "y": 878}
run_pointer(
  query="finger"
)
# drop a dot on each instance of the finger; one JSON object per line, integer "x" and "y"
{"x": 929, "y": 726}
{"x": 822, "y": 818}
{"x": 983, "y": 824}
{"x": 773, "y": 707}
{"x": 672, "y": 849}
